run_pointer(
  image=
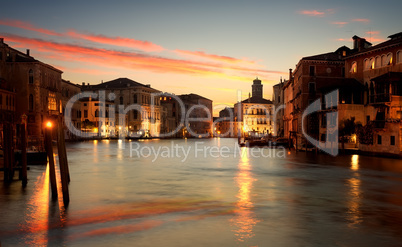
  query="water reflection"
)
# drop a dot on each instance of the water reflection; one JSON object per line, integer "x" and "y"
{"x": 355, "y": 194}
{"x": 245, "y": 219}
{"x": 36, "y": 222}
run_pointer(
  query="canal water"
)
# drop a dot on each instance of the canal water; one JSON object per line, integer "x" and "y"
{"x": 150, "y": 193}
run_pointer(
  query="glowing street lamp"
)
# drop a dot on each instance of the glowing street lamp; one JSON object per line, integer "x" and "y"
{"x": 49, "y": 124}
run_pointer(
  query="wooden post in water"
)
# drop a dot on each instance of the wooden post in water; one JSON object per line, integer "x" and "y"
{"x": 49, "y": 151}
{"x": 5, "y": 151}
{"x": 63, "y": 162}
{"x": 23, "y": 155}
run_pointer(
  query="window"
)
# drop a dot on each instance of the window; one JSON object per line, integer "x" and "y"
{"x": 353, "y": 68}
{"x": 383, "y": 60}
{"x": 377, "y": 62}
{"x": 312, "y": 70}
{"x": 379, "y": 139}
{"x": 388, "y": 61}
{"x": 135, "y": 114}
{"x": 85, "y": 113}
{"x": 366, "y": 64}
{"x": 135, "y": 98}
{"x": 31, "y": 77}
{"x": 85, "y": 104}
{"x": 121, "y": 100}
{"x": 399, "y": 57}
{"x": 52, "y": 104}
{"x": 311, "y": 87}
{"x": 372, "y": 60}
{"x": 367, "y": 119}
{"x": 31, "y": 103}
{"x": 96, "y": 113}
{"x": 393, "y": 140}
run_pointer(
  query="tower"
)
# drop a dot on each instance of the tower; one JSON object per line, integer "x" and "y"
{"x": 257, "y": 88}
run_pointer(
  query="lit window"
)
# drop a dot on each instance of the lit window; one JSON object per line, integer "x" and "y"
{"x": 353, "y": 69}
{"x": 383, "y": 60}
{"x": 52, "y": 104}
{"x": 372, "y": 63}
{"x": 388, "y": 61}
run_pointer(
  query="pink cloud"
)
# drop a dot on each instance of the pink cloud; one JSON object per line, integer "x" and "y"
{"x": 361, "y": 20}
{"x": 28, "y": 26}
{"x": 117, "y": 41}
{"x": 373, "y": 32}
{"x": 214, "y": 57}
{"x": 134, "y": 60}
{"x": 312, "y": 13}
{"x": 339, "y": 23}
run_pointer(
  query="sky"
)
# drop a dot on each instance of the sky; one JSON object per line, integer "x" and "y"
{"x": 211, "y": 48}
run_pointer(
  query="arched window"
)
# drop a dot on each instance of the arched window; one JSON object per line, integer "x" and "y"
{"x": 135, "y": 98}
{"x": 121, "y": 100}
{"x": 353, "y": 68}
{"x": 96, "y": 113}
{"x": 383, "y": 59}
{"x": 31, "y": 76}
{"x": 371, "y": 63}
{"x": 399, "y": 57}
{"x": 389, "y": 59}
{"x": 377, "y": 62}
{"x": 31, "y": 103}
{"x": 366, "y": 64}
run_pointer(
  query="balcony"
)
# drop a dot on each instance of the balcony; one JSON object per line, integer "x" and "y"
{"x": 380, "y": 98}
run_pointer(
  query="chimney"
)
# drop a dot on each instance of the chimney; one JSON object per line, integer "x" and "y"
{"x": 28, "y": 52}
{"x": 290, "y": 74}
{"x": 83, "y": 83}
{"x": 1, "y": 40}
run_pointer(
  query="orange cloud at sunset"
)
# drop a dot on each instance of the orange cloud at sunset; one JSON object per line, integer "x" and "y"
{"x": 312, "y": 13}
{"x": 117, "y": 41}
{"x": 28, "y": 26}
{"x": 213, "y": 57}
{"x": 340, "y": 23}
{"x": 133, "y": 60}
{"x": 361, "y": 20}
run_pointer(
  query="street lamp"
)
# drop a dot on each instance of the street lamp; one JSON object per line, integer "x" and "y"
{"x": 49, "y": 124}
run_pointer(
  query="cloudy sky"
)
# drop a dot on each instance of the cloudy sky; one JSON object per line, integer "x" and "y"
{"x": 212, "y": 48}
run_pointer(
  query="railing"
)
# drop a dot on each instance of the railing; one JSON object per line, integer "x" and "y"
{"x": 380, "y": 98}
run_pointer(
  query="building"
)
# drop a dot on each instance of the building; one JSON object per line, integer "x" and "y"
{"x": 96, "y": 118}
{"x": 69, "y": 90}
{"x": 379, "y": 70}
{"x": 170, "y": 116}
{"x": 254, "y": 116}
{"x": 225, "y": 125}
{"x": 278, "y": 101}
{"x": 140, "y": 102}
{"x": 309, "y": 81}
{"x": 37, "y": 85}
{"x": 199, "y": 109}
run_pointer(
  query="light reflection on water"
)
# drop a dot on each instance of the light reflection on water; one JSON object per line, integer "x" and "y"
{"x": 241, "y": 200}
{"x": 245, "y": 219}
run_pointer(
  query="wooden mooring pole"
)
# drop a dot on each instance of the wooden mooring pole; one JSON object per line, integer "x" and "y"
{"x": 63, "y": 164}
{"x": 49, "y": 151}
{"x": 23, "y": 146}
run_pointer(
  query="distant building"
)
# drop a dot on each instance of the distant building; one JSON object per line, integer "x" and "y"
{"x": 37, "y": 86}
{"x": 170, "y": 117}
{"x": 225, "y": 125}
{"x": 127, "y": 92}
{"x": 96, "y": 118}
{"x": 69, "y": 90}
{"x": 255, "y": 114}
{"x": 197, "y": 107}
{"x": 278, "y": 101}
